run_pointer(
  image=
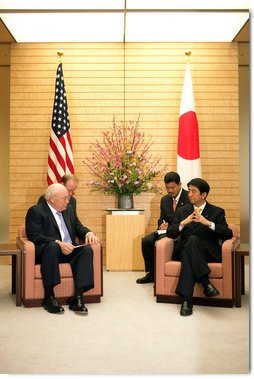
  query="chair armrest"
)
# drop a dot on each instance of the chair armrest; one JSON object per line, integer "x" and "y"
{"x": 228, "y": 248}
{"x": 28, "y": 266}
{"x": 163, "y": 253}
{"x": 97, "y": 266}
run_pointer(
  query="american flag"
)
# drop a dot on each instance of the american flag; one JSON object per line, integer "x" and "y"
{"x": 60, "y": 157}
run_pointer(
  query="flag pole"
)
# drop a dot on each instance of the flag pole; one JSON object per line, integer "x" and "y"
{"x": 188, "y": 54}
{"x": 60, "y": 53}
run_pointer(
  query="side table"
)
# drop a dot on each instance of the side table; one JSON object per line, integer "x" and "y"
{"x": 11, "y": 249}
{"x": 241, "y": 251}
{"x": 124, "y": 232}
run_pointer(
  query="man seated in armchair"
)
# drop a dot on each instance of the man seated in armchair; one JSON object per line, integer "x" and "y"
{"x": 52, "y": 226}
{"x": 200, "y": 229}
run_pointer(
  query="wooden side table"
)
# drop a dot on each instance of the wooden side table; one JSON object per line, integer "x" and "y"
{"x": 12, "y": 249}
{"x": 241, "y": 251}
{"x": 124, "y": 231}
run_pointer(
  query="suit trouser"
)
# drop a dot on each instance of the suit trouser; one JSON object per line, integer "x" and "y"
{"x": 194, "y": 267}
{"x": 147, "y": 245}
{"x": 81, "y": 261}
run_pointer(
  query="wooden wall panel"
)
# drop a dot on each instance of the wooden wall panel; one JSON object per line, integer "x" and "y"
{"x": 110, "y": 79}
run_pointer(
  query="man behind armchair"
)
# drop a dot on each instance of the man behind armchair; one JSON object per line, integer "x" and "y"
{"x": 175, "y": 198}
{"x": 52, "y": 226}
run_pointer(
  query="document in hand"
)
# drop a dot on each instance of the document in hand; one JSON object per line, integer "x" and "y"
{"x": 83, "y": 244}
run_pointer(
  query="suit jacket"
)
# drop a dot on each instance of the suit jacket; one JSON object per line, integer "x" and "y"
{"x": 72, "y": 201}
{"x": 166, "y": 206}
{"x": 41, "y": 226}
{"x": 211, "y": 239}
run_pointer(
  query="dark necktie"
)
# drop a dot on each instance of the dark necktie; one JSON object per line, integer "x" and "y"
{"x": 64, "y": 229}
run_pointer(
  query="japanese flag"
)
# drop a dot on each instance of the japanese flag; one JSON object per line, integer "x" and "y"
{"x": 188, "y": 154}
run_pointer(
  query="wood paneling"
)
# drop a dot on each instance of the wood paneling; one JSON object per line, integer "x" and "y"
{"x": 110, "y": 79}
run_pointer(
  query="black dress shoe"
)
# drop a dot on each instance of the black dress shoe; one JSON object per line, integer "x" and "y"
{"x": 211, "y": 291}
{"x": 52, "y": 306}
{"x": 146, "y": 279}
{"x": 186, "y": 309}
{"x": 77, "y": 305}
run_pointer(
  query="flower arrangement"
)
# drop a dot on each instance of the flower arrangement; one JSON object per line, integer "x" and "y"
{"x": 121, "y": 163}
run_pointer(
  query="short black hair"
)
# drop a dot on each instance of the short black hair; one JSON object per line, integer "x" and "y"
{"x": 201, "y": 184}
{"x": 172, "y": 177}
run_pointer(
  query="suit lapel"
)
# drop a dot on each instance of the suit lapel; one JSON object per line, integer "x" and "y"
{"x": 50, "y": 214}
{"x": 206, "y": 210}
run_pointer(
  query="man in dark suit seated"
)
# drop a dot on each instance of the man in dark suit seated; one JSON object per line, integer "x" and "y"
{"x": 52, "y": 226}
{"x": 175, "y": 198}
{"x": 71, "y": 183}
{"x": 200, "y": 228}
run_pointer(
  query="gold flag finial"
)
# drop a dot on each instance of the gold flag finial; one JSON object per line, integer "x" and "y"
{"x": 60, "y": 53}
{"x": 188, "y": 54}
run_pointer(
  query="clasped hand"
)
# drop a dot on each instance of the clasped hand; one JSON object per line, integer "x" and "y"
{"x": 195, "y": 217}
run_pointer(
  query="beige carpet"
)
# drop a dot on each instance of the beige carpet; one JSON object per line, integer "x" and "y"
{"x": 127, "y": 333}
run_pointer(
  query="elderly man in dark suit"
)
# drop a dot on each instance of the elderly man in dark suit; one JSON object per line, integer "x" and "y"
{"x": 52, "y": 226}
{"x": 200, "y": 229}
{"x": 175, "y": 198}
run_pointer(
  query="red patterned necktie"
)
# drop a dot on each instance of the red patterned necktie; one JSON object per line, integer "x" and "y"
{"x": 174, "y": 204}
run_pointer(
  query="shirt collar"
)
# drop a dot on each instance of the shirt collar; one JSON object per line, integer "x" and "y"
{"x": 53, "y": 210}
{"x": 178, "y": 196}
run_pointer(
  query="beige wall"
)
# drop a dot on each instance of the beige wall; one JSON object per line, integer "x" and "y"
{"x": 244, "y": 79}
{"x": 4, "y": 137}
{"x": 4, "y": 143}
{"x": 99, "y": 87}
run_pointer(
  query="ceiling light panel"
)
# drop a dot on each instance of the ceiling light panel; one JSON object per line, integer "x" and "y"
{"x": 184, "y": 26}
{"x": 65, "y": 27}
{"x": 187, "y": 4}
{"x": 63, "y": 4}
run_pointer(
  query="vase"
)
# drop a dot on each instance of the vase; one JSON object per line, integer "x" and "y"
{"x": 125, "y": 201}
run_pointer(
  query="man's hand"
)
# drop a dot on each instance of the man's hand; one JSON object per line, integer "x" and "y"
{"x": 66, "y": 247}
{"x": 91, "y": 238}
{"x": 187, "y": 220}
{"x": 164, "y": 225}
{"x": 197, "y": 217}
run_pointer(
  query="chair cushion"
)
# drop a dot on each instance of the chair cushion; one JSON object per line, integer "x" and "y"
{"x": 172, "y": 268}
{"x": 65, "y": 271}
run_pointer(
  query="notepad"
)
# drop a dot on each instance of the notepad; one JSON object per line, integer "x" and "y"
{"x": 161, "y": 231}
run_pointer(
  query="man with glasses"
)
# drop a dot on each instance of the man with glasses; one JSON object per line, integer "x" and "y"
{"x": 52, "y": 226}
{"x": 71, "y": 183}
{"x": 175, "y": 198}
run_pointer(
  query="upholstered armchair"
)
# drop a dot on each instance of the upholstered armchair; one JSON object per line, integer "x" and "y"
{"x": 221, "y": 276}
{"x": 32, "y": 287}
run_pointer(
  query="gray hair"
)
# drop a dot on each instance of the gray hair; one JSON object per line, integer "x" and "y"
{"x": 53, "y": 190}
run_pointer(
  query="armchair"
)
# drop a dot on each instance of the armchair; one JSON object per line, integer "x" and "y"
{"x": 32, "y": 287}
{"x": 221, "y": 276}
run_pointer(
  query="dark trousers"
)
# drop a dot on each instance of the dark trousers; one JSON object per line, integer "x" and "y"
{"x": 147, "y": 246}
{"x": 194, "y": 257}
{"x": 81, "y": 261}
